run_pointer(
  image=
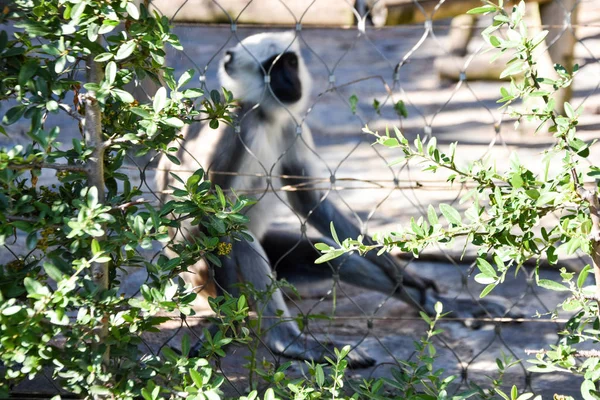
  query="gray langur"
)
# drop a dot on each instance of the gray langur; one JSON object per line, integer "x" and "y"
{"x": 270, "y": 147}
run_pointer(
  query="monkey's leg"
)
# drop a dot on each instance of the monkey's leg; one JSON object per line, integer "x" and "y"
{"x": 320, "y": 212}
{"x": 250, "y": 263}
{"x": 295, "y": 259}
{"x": 298, "y": 257}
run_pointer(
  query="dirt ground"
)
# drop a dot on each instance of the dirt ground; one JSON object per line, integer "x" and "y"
{"x": 359, "y": 64}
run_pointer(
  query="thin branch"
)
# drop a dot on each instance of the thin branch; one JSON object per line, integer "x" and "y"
{"x": 12, "y": 218}
{"x": 124, "y": 206}
{"x": 66, "y": 108}
{"x": 58, "y": 167}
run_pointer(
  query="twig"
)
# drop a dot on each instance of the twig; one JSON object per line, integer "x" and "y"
{"x": 125, "y": 206}
{"x": 66, "y": 108}
{"x": 18, "y": 218}
{"x": 58, "y": 167}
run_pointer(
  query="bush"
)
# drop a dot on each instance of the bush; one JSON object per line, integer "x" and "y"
{"x": 506, "y": 209}
{"x": 60, "y": 307}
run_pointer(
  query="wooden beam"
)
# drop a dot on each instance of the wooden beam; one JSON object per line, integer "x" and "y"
{"x": 407, "y": 12}
{"x": 271, "y": 12}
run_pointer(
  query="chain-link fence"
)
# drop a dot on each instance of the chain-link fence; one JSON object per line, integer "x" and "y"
{"x": 429, "y": 77}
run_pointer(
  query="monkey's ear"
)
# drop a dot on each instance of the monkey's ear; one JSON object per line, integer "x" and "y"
{"x": 285, "y": 81}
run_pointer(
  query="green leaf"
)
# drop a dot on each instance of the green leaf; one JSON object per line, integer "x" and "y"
{"x": 174, "y": 122}
{"x": 353, "y": 100}
{"x": 125, "y": 50}
{"x": 185, "y": 78}
{"x": 215, "y": 96}
{"x": 160, "y": 100}
{"x": 27, "y": 71}
{"x": 220, "y": 195}
{"x": 11, "y": 310}
{"x": 51, "y": 105}
{"x": 59, "y": 66}
{"x": 123, "y": 95}
{"x": 587, "y": 389}
{"x": 53, "y": 271}
{"x": 173, "y": 159}
{"x": 329, "y": 256}
{"x": 450, "y": 213}
{"x": 77, "y": 10}
{"x": 432, "y": 215}
{"x": 482, "y": 10}
{"x": 514, "y": 392}
{"x": 14, "y": 114}
{"x": 103, "y": 57}
{"x": 484, "y": 279}
{"x": 322, "y": 246}
{"x": 512, "y": 69}
{"x": 197, "y": 378}
{"x": 95, "y": 247}
{"x": 132, "y": 10}
{"x": 141, "y": 112}
{"x": 537, "y": 39}
{"x": 334, "y": 235}
{"x": 269, "y": 394}
{"x": 569, "y": 110}
{"x": 192, "y": 93}
{"x": 487, "y": 290}
{"x": 319, "y": 375}
{"x": 552, "y": 285}
{"x": 110, "y": 72}
{"x": 31, "y": 241}
{"x": 92, "y": 32}
{"x": 516, "y": 181}
{"x": 583, "y": 276}
{"x": 545, "y": 198}
{"x": 400, "y": 109}
{"x": 551, "y": 255}
{"x": 485, "y": 267}
{"x": 33, "y": 287}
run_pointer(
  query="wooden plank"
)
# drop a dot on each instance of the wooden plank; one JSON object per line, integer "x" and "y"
{"x": 406, "y": 12}
{"x": 271, "y": 12}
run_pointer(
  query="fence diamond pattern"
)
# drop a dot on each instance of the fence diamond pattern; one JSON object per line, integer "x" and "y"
{"x": 360, "y": 72}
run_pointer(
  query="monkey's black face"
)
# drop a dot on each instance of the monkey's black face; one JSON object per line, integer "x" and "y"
{"x": 283, "y": 70}
{"x": 284, "y": 77}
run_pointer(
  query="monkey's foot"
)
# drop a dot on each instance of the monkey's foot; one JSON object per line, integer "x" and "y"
{"x": 307, "y": 348}
{"x": 474, "y": 312}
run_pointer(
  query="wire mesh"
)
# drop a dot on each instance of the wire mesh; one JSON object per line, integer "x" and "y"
{"x": 350, "y": 60}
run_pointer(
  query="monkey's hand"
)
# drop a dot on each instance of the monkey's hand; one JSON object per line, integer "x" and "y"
{"x": 414, "y": 289}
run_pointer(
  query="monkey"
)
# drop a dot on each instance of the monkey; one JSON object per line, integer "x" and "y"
{"x": 269, "y": 146}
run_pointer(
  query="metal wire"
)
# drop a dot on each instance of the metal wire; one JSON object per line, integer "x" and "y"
{"x": 387, "y": 65}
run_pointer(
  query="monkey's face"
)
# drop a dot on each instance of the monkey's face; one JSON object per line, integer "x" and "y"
{"x": 268, "y": 69}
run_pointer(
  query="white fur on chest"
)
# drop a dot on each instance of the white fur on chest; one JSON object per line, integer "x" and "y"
{"x": 260, "y": 170}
